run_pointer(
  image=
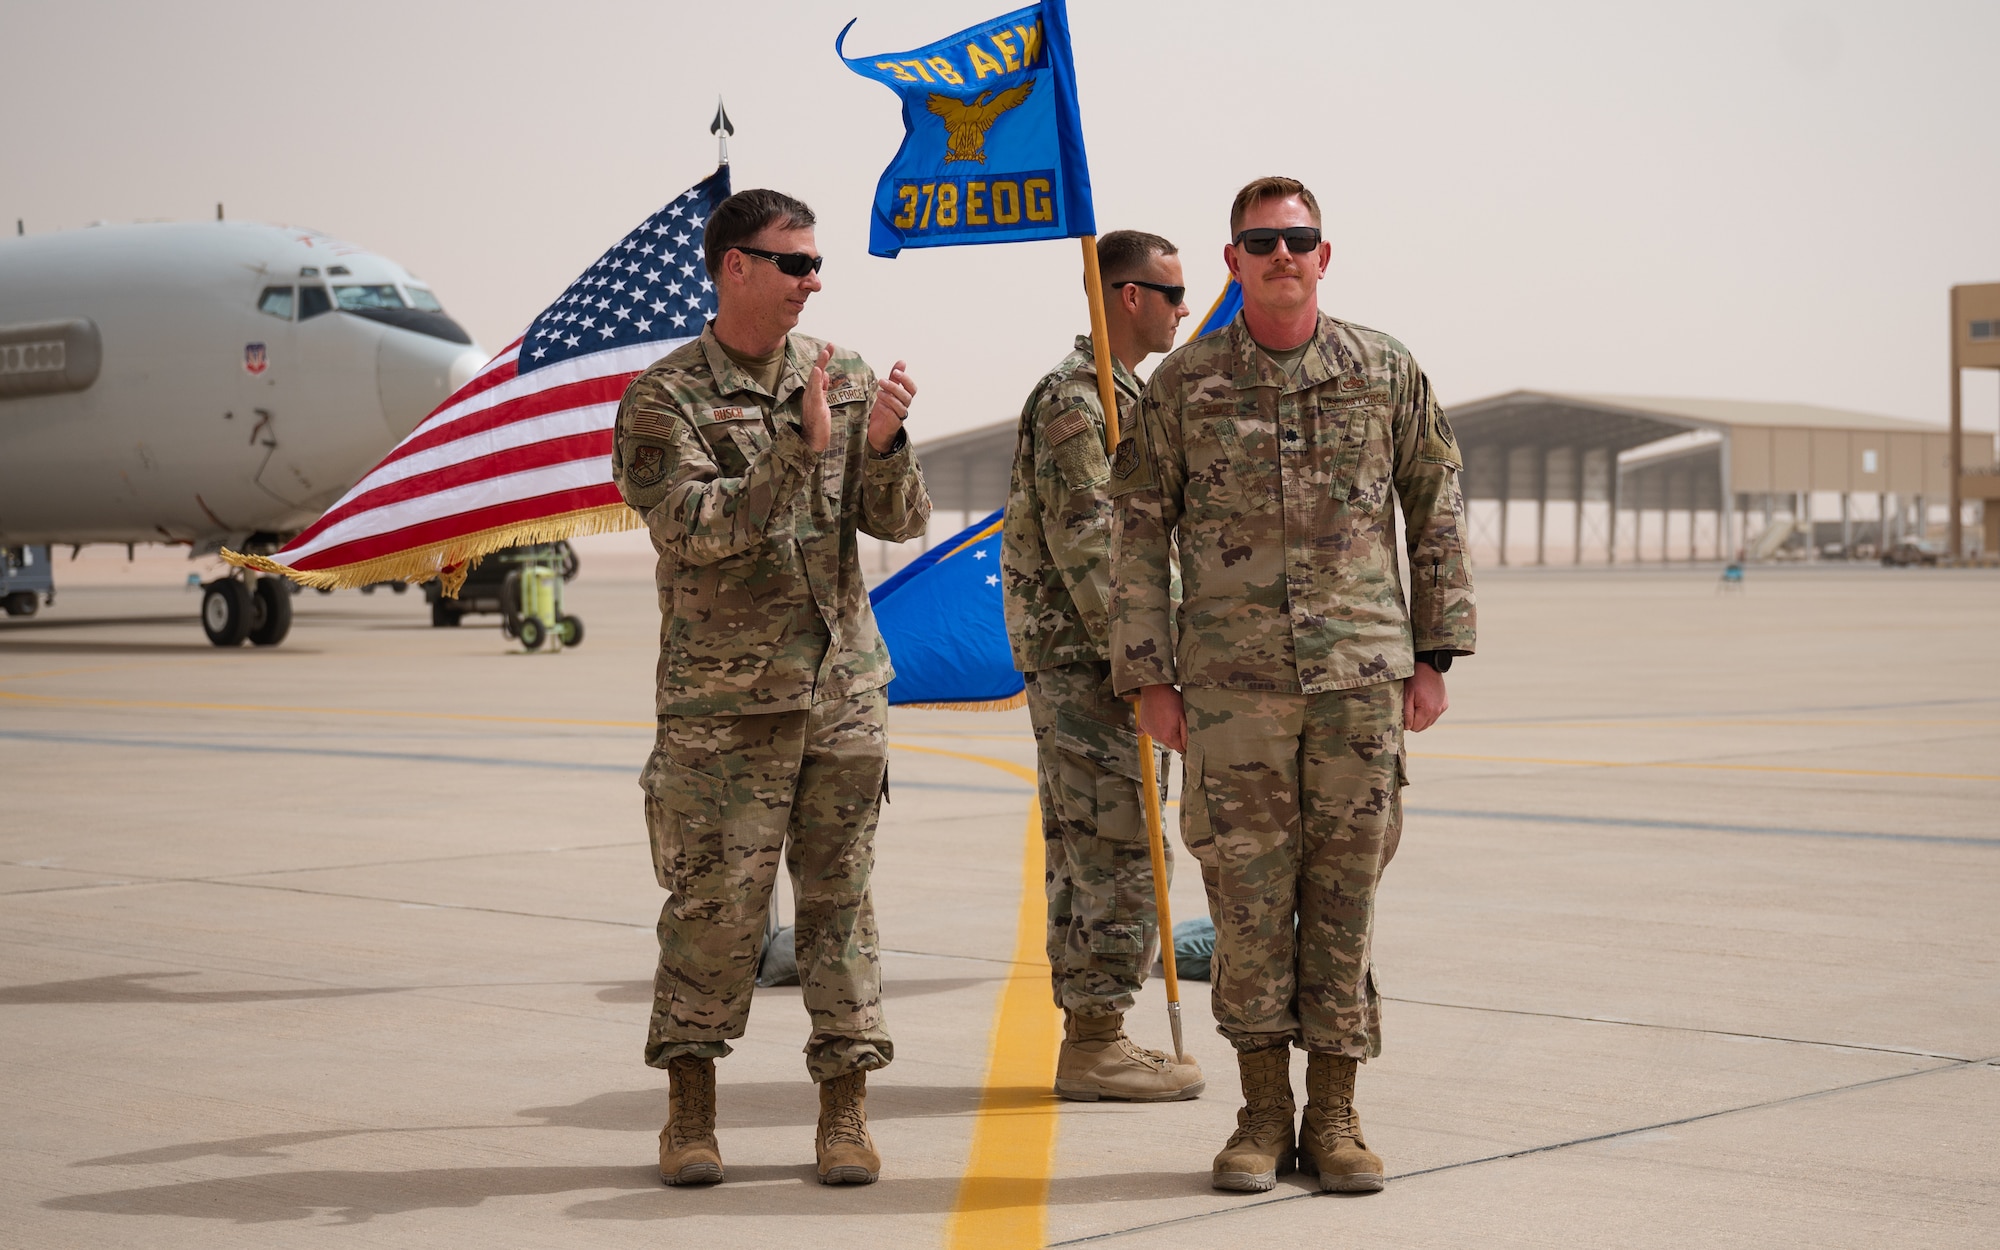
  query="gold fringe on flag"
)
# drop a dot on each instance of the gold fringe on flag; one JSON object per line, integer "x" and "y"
{"x": 451, "y": 560}
{"x": 989, "y": 705}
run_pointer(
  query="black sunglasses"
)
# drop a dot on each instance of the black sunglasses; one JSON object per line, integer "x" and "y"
{"x": 1264, "y": 240}
{"x": 791, "y": 264}
{"x": 1173, "y": 293}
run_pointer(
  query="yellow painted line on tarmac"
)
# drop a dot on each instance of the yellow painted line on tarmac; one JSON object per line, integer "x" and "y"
{"x": 1003, "y": 1197}
{"x": 53, "y": 700}
{"x": 70, "y": 672}
{"x": 1006, "y": 766}
{"x": 1697, "y": 766}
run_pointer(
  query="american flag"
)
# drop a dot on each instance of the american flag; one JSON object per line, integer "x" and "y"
{"x": 522, "y": 452}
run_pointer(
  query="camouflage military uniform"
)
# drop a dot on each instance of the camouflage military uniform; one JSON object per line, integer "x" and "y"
{"x": 1293, "y": 645}
{"x": 771, "y": 713}
{"x": 1103, "y": 925}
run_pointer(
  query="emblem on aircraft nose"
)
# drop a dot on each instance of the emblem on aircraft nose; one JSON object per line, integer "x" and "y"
{"x": 253, "y": 358}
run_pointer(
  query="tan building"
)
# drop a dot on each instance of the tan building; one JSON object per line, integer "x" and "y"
{"x": 1642, "y": 455}
{"x": 1975, "y": 344}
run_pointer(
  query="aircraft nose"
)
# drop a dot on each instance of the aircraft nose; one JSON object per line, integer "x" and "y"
{"x": 415, "y": 373}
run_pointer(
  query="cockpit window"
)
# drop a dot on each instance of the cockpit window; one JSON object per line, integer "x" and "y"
{"x": 421, "y": 297}
{"x": 277, "y": 301}
{"x": 354, "y": 297}
{"x": 313, "y": 301}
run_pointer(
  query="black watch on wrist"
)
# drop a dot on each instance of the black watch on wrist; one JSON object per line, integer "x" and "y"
{"x": 1439, "y": 660}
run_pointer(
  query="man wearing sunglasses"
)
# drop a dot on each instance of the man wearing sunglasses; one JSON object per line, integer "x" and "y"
{"x": 1103, "y": 927}
{"x": 1276, "y": 451}
{"x": 756, "y": 455}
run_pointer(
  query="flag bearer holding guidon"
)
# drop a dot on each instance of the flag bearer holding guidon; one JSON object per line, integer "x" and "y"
{"x": 993, "y": 152}
{"x": 1276, "y": 450}
{"x": 1054, "y": 559}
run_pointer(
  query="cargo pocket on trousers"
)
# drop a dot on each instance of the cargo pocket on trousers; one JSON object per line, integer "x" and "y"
{"x": 1392, "y": 836}
{"x": 685, "y": 822}
{"x": 1196, "y": 833}
{"x": 1099, "y": 764}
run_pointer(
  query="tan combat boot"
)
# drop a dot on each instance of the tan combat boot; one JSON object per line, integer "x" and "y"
{"x": 688, "y": 1153}
{"x": 845, "y": 1150}
{"x": 1098, "y": 1061}
{"x": 1263, "y": 1143}
{"x": 1330, "y": 1139}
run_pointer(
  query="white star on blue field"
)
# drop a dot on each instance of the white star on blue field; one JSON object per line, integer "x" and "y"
{"x": 651, "y": 286}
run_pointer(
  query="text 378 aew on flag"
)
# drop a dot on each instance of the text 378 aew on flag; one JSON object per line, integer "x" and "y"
{"x": 522, "y": 452}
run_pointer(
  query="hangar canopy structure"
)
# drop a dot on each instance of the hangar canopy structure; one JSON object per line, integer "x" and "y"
{"x": 1613, "y": 454}
{"x": 1722, "y": 457}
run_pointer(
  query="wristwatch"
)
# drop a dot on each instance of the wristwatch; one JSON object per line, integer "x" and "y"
{"x": 1439, "y": 660}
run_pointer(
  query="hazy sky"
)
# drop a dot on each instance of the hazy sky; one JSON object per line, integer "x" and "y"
{"x": 1747, "y": 200}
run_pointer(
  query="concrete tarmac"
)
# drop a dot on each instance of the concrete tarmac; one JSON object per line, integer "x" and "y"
{"x": 1691, "y": 940}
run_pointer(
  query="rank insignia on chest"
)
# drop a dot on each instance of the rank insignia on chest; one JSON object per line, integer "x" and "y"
{"x": 1354, "y": 384}
{"x": 647, "y": 465}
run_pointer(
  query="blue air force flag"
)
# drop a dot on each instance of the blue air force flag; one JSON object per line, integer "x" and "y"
{"x": 992, "y": 144}
{"x": 942, "y": 620}
{"x": 1221, "y": 312}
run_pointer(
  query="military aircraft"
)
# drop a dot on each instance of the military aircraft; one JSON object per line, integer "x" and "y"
{"x": 207, "y": 384}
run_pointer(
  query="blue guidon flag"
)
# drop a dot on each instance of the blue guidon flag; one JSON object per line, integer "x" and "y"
{"x": 942, "y": 618}
{"x": 1221, "y": 312}
{"x": 993, "y": 143}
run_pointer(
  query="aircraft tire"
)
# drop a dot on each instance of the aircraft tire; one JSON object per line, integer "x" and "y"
{"x": 22, "y": 603}
{"x": 225, "y": 612}
{"x": 444, "y": 616}
{"x": 271, "y": 613}
{"x": 531, "y": 632}
{"x": 571, "y": 630}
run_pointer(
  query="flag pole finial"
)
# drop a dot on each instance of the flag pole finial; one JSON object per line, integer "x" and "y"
{"x": 721, "y": 128}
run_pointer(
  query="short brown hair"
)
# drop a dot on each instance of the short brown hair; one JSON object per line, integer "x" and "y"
{"x": 742, "y": 216}
{"x": 1273, "y": 188}
{"x": 1124, "y": 254}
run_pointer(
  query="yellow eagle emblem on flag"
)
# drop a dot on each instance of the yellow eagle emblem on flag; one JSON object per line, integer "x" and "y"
{"x": 967, "y": 123}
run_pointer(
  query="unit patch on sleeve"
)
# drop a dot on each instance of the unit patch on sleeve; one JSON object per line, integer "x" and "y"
{"x": 647, "y": 465}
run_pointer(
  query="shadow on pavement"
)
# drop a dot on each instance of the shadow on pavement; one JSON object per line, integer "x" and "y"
{"x": 191, "y": 617}
{"x": 263, "y": 1145}
{"x": 755, "y": 1104}
{"x": 752, "y": 1104}
{"x": 642, "y": 991}
{"x": 196, "y": 646}
{"x": 749, "y": 1192}
{"x": 132, "y": 987}
{"x": 350, "y": 1197}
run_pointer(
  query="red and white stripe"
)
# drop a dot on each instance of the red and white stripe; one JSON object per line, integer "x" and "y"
{"x": 504, "y": 450}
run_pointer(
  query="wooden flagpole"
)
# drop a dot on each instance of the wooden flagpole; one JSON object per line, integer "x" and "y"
{"x": 1107, "y": 394}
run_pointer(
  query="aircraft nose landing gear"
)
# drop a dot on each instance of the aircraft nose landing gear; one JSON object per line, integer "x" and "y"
{"x": 233, "y": 611}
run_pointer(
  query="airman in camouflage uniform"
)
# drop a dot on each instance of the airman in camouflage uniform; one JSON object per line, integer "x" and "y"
{"x": 1297, "y": 663}
{"x": 755, "y": 472}
{"x": 1103, "y": 926}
